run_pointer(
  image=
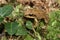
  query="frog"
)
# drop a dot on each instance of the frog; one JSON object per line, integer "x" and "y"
{"x": 36, "y": 14}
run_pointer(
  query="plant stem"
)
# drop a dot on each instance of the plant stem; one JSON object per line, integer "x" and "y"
{"x": 37, "y": 34}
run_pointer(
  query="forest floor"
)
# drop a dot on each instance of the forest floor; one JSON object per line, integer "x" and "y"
{"x": 29, "y": 19}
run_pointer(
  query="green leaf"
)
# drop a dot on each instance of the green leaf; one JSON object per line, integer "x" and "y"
{"x": 1, "y": 19}
{"x": 28, "y": 37}
{"x": 29, "y": 24}
{"x": 21, "y": 30}
{"x": 11, "y": 27}
{"x": 52, "y": 15}
{"x": 21, "y": 14}
{"x": 54, "y": 27}
{"x": 6, "y": 10}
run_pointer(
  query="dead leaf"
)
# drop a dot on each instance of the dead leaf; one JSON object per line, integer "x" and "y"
{"x": 24, "y": 1}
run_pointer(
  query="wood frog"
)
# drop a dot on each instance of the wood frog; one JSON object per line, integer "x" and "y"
{"x": 36, "y": 14}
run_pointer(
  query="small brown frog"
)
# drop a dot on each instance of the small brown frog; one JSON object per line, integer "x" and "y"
{"x": 36, "y": 14}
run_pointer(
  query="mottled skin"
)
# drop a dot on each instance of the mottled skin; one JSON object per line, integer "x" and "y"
{"x": 36, "y": 14}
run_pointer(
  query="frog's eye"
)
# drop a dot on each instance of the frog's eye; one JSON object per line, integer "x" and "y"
{"x": 32, "y": 14}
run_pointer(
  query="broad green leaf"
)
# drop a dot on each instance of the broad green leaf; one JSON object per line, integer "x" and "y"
{"x": 29, "y": 24}
{"x": 28, "y": 37}
{"x": 21, "y": 30}
{"x": 6, "y": 10}
{"x": 11, "y": 27}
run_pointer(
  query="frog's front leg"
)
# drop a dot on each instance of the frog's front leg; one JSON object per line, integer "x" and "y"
{"x": 36, "y": 22}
